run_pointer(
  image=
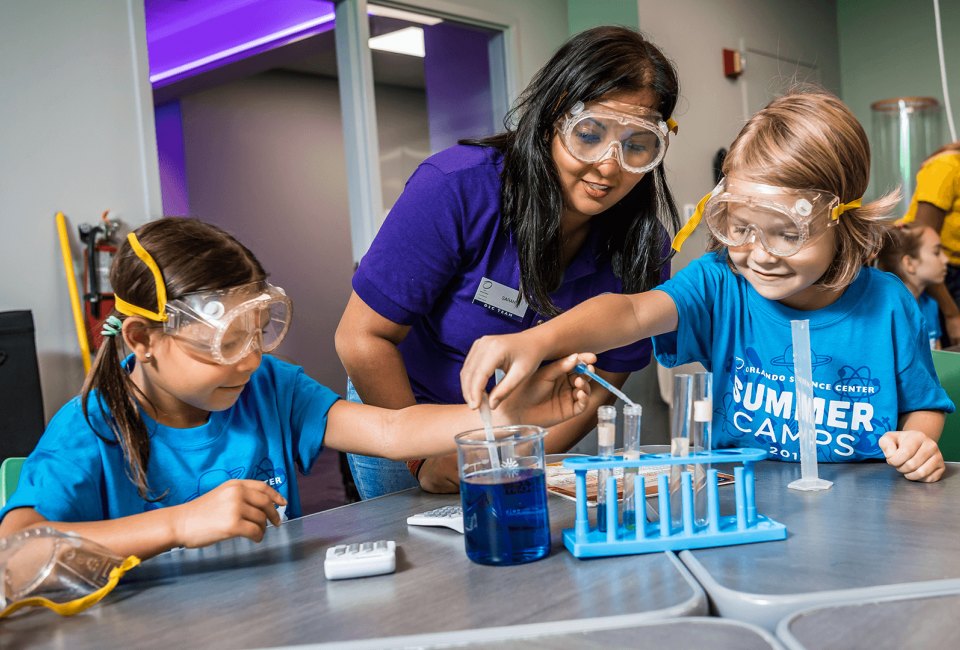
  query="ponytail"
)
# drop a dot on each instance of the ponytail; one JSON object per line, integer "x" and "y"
{"x": 119, "y": 408}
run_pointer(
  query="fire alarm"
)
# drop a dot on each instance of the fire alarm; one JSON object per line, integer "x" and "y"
{"x": 732, "y": 64}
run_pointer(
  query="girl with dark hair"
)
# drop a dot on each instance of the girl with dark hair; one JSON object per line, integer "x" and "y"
{"x": 196, "y": 436}
{"x": 498, "y": 235}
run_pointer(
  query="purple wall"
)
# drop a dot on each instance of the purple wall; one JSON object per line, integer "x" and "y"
{"x": 457, "y": 73}
{"x": 173, "y": 175}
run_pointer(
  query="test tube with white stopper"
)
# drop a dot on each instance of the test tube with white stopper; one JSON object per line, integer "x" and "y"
{"x": 606, "y": 439}
{"x": 803, "y": 410}
{"x": 679, "y": 442}
{"x": 631, "y": 451}
{"x": 702, "y": 440}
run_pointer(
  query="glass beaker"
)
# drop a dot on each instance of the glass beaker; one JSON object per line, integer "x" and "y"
{"x": 906, "y": 130}
{"x": 505, "y": 515}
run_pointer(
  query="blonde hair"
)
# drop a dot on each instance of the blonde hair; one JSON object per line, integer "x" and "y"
{"x": 809, "y": 139}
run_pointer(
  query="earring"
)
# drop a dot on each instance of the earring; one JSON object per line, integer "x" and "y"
{"x": 148, "y": 356}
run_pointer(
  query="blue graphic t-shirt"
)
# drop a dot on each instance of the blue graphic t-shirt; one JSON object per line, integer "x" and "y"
{"x": 276, "y": 425}
{"x": 931, "y": 317}
{"x": 869, "y": 351}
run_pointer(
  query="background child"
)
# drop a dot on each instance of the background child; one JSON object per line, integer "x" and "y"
{"x": 913, "y": 253}
{"x": 789, "y": 241}
{"x": 196, "y": 436}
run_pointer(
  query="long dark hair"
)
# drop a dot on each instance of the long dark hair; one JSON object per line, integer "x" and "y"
{"x": 192, "y": 256}
{"x": 590, "y": 65}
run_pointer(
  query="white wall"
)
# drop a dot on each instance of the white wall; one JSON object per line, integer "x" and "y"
{"x": 711, "y": 110}
{"x": 265, "y": 160}
{"x": 76, "y": 135}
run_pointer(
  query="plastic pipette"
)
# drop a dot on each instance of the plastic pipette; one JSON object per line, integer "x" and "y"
{"x": 803, "y": 410}
{"x": 583, "y": 370}
{"x": 631, "y": 451}
{"x": 606, "y": 439}
{"x": 487, "y": 419}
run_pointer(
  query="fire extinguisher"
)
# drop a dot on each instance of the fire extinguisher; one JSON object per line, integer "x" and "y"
{"x": 98, "y": 252}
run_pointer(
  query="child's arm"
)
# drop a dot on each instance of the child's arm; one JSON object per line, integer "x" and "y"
{"x": 913, "y": 449}
{"x": 550, "y": 396}
{"x": 601, "y": 323}
{"x": 238, "y": 508}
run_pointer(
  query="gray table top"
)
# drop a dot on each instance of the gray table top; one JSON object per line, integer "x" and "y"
{"x": 872, "y": 535}
{"x": 917, "y": 622}
{"x": 238, "y": 594}
{"x": 687, "y": 632}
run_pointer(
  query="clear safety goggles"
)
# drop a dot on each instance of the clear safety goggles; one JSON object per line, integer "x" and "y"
{"x": 781, "y": 220}
{"x": 43, "y": 567}
{"x": 635, "y": 136}
{"x": 225, "y": 325}
{"x": 221, "y": 325}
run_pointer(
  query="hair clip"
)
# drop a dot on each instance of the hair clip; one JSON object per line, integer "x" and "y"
{"x": 111, "y": 326}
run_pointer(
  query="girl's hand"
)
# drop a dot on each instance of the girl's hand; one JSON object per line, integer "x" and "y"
{"x": 237, "y": 508}
{"x": 518, "y": 355}
{"x": 914, "y": 454}
{"x": 553, "y": 394}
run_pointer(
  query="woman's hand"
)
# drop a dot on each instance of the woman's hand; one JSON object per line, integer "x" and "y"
{"x": 553, "y": 394}
{"x": 914, "y": 454}
{"x": 518, "y": 355}
{"x": 238, "y": 508}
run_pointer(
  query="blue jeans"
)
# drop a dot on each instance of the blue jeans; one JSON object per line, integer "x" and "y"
{"x": 374, "y": 476}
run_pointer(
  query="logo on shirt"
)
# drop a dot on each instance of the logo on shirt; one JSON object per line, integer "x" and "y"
{"x": 762, "y": 404}
{"x": 501, "y": 299}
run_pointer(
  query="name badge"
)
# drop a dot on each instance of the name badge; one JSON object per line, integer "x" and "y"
{"x": 501, "y": 299}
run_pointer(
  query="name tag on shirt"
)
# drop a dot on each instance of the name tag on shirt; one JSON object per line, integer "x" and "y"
{"x": 501, "y": 299}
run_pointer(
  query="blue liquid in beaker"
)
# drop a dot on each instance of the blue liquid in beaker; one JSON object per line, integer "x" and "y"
{"x": 505, "y": 516}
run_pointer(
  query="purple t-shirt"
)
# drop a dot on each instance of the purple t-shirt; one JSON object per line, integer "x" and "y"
{"x": 442, "y": 264}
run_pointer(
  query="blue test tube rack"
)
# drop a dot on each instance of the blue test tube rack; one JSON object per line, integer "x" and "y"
{"x": 745, "y": 526}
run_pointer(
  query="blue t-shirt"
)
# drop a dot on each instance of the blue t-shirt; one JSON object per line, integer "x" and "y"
{"x": 869, "y": 351}
{"x": 276, "y": 426}
{"x": 442, "y": 264}
{"x": 931, "y": 317}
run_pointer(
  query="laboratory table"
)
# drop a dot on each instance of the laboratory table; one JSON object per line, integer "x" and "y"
{"x": 687, "y": 632}
{"x": 894, "y": 623}
{"x": 238, "y": 594}
{"x": 872, "y": 535}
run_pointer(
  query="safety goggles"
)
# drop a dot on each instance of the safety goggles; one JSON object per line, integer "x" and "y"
{"x": 220, "y": 325}
{"x": 781, "y": 220}
{"x": 225, "y": 325}
{"x": 635, "y": 136}
{"x": 43, "y": 567}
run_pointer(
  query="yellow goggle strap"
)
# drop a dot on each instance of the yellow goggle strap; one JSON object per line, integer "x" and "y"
{"x": 844, "y": 207}
{"x": 125, "y": 307}
{"x": 672, "y": 125}
{"x": 80, "y": 604}
{"x": 692, "y": 224}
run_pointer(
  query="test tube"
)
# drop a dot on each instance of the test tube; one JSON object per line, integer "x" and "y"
{"x": 606, "y": 439}
{"x": 702, "y": 440}
{"x": 679, "y": 442}
{"x": 631, "y": 451}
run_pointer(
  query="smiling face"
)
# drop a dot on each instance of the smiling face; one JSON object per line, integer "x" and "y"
{"x": 592, "y": 188}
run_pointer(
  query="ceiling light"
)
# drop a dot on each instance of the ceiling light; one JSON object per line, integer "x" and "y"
{"x": 408, "y": 40}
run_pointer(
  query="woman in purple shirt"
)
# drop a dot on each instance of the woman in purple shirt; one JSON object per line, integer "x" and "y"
{"x": 497, "y": 235}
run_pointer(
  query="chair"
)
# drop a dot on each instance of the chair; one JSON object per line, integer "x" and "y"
{"x": 947, "y": 365}
{"x": 9, "y": 477}
{"x": 21, "y": 402}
